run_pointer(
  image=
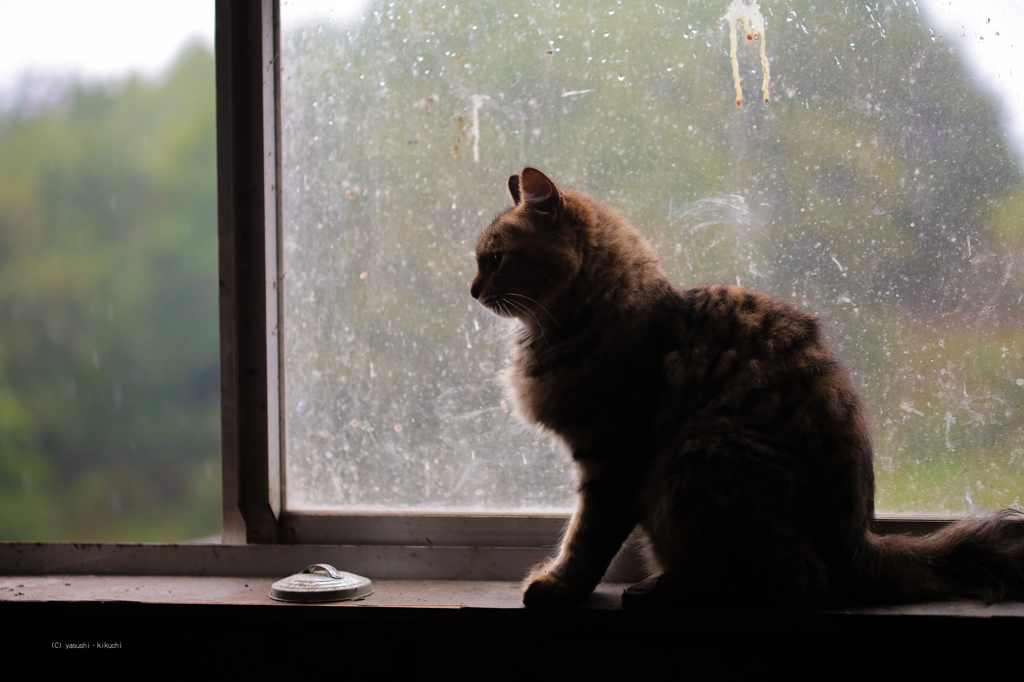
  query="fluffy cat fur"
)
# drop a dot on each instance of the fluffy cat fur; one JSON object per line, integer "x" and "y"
{"x": 714, "y": 418}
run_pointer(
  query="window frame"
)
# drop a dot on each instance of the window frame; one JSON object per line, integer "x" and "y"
{"x": 251, "y": 328}
{"x": 252, "y": 381}
{"x": 245, "y": 49}
{"x": 260, "y": 536}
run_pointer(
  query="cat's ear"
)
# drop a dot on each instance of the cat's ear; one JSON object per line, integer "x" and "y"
{"x": 513, "y": 190}
{"x": 538, "y": 191}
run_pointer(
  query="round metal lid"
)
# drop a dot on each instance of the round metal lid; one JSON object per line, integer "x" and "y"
{"x": 321, "y": 583}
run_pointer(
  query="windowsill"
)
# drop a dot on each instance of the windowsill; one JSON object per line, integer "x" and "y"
{"x": 150, "y": 612}
{"x": 392, "y": 594}
{"x": 149, "y": 595}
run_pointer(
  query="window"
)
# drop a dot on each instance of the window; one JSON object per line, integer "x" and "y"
{"x": 878, "y": 189}
{"x": 724, "y": 230}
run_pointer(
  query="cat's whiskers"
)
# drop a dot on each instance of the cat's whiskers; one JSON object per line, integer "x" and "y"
{"x": 536, "y": 303}
{"x": 520, "y": 306}
{"x": 529, "y": 346}
{"x": 494, "y": 305}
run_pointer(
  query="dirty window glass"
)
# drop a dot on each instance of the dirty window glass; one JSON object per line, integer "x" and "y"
{"x": 881, "y": 188}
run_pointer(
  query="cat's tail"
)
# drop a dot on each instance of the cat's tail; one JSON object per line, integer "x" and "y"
{"x": 977, "y": 558}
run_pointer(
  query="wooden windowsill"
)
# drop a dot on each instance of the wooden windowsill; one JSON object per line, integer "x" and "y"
{"x": 392, "y": 594}
{"x": 152, "y": 612}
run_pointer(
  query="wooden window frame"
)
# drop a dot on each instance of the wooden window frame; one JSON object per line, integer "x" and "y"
{"x": 252, "y": 384}
{"x": 260, "y": 535}
{"x": 255, "y": 511}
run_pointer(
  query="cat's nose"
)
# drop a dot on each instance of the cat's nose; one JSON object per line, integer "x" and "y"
{"x": 474, "y": 290}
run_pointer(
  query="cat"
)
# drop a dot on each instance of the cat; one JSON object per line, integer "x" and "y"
{"x": 713, "y": 419}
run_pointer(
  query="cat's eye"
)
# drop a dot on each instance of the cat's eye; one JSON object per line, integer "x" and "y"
{"x": 498, "y": 255}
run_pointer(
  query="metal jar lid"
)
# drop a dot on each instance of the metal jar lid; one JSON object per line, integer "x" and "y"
{"x": 321, "y": 583}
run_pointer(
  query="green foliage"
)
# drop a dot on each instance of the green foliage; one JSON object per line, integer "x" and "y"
{"x": 108, "y": 292}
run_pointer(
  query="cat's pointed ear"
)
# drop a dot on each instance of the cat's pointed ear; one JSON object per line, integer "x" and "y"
{"x": 513, "y": 190}
{"x": 538, "y": 191}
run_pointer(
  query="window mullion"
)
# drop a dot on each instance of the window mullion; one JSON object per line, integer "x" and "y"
{"x": 248, "y": 218}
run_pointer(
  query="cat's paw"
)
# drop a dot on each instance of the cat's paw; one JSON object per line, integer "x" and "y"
{"x": 544, "y": 590}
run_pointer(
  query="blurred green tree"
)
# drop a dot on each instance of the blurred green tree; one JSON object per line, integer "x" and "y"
{"x": 109, "y": 380}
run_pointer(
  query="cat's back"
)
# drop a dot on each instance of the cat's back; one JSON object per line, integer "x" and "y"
{"x": 751, "y": 370}
{"x": 762, "y": 364}
{"x": 727, "y": 333}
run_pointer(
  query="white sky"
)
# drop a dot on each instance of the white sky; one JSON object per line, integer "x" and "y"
{"x": 105, "y": 40}
{"x": 987, "y": 34}
{"x": 97, "y": 40}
